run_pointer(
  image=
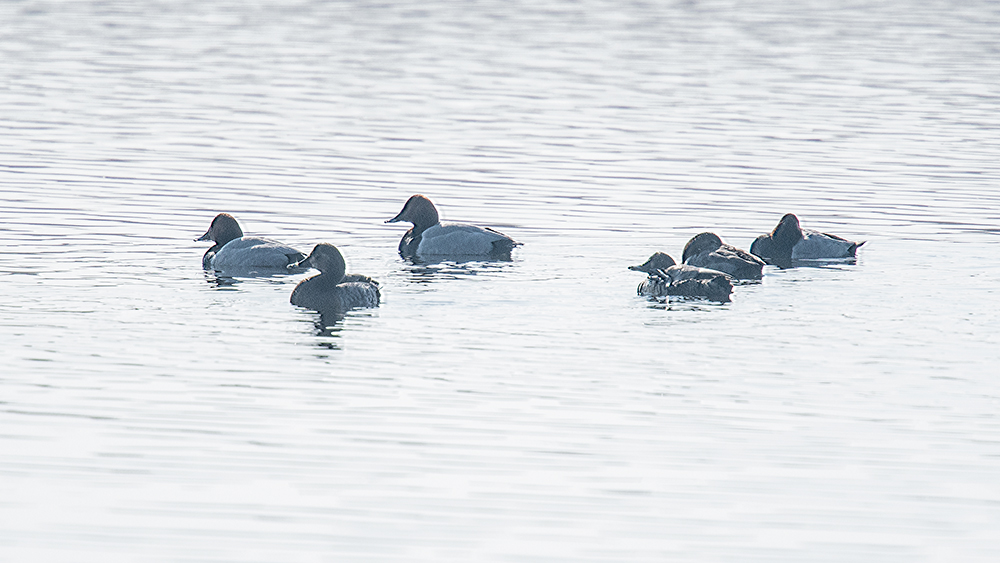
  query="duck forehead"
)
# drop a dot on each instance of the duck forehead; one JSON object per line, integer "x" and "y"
{"x": 419, "y": 204}
{"x": 328, "y": 255}
{"x": 710, "y": 239}
{"x": 658, "y": 261}
{"x": 661, "y": 260}
{"x": 420, "y": 211}
{"x": 225, "y": 223}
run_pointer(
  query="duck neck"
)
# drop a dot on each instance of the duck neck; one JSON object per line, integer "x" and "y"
{"x": 327, "y": 279}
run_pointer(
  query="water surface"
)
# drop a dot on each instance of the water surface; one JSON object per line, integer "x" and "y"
{"x": 532, "y": 410}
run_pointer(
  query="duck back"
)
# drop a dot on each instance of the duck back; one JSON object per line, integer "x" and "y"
{"x": 319, "y": 295}
{"x": 461, "y": 239}
{"x": 254, "y": 252}
{"x": 685, "y": 280}
{"x": 737, "y": 263}
{"x": 815, "y": 245}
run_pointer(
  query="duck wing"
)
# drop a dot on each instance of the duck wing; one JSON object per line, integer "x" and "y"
{"x": 817, "y": 246}
{"x": 718, "y": 289}
{"x": 255, "y": 252}
{"x": 460, "y": 239}
{"x": 358, "y": 294}
{"x": 730, "y": 260}
{"x": 682, "y": 272}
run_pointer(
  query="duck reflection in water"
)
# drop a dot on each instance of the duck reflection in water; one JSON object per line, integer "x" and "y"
{"x": 666, "y": 278}
{"x": 333, "y": 292}
{"x": 222, "y": 282}
{"x": 422, "y": 271}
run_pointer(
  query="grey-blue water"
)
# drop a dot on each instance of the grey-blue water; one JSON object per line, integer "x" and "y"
{"x": 533, "y": 410}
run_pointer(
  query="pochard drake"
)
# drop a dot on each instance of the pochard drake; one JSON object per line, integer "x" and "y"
{"x": 707, "y": 250}
{"x": 332, "y": 290}
{"x": 789, "y": 241}
{"x": 233, "y": 251}
{"x": 667, "y": 278}
{"x": 430, "y": 237}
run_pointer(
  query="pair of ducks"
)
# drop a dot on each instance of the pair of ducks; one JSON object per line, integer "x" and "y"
{"x": 333, "y": 289}
{"x": 709, "y": 266}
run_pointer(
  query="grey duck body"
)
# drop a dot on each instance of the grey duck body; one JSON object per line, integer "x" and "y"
{"x": 332, "y": 290}
{"x": 667, "y": 278}
{"x": 706, "y": 250}
{"x": 789, "y": 241}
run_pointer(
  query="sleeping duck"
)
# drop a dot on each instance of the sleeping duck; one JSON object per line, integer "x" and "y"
{"x": 707, "y": 250}
{"x": 789, "y": 241}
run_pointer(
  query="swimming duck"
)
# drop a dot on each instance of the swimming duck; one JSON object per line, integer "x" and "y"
{"x": 233, "y": 251}
{"x": 789, "y": 241}
{"x": 429, "y": 236}
{"x": 332, "y": 290}
{"x": 707, "y": 250}
{"x": 666, "y": 277}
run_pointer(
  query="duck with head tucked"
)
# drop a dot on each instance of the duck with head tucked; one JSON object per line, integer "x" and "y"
{"x": 667, "y": 278}
{"x": 333, "y": 290}
{"x": 707, "y": 250}
{"x": 789, "y": 241}
{"x": 430, "y": 237}
{"x": 234, "y": 252}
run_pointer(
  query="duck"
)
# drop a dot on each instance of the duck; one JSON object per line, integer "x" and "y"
{"x": 233, "y": 251}
{"x": 706, "y": 250}
{"x": 333, "y": 290}
{"x": 666, "y": 278}
{"x": 789, "y": 241}
{"x": 430, "y": 237}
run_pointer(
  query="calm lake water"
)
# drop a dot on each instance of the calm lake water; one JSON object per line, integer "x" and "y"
{"x": 532, "y": 410}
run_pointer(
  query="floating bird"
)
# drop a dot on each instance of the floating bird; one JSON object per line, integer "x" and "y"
{"x": 667, "y": 278}
{"x": 707, "y": 250}
{"x": 332, "y": 290}
{"x": 233, "y": 251}
{"x": 788, "y": 241}
{"x": 430, "y": 237}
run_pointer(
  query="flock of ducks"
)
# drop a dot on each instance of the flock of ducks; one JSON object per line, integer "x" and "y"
{"x": 707, "y": 270}
{"x": 709, "y": 266}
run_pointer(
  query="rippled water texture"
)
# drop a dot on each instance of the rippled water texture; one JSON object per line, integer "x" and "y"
{"x": 532, "y": 410}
